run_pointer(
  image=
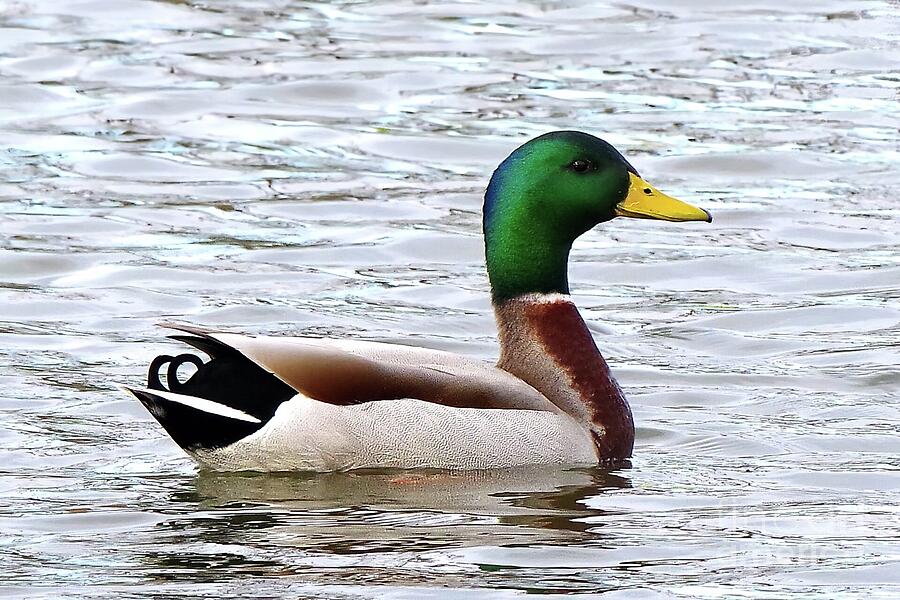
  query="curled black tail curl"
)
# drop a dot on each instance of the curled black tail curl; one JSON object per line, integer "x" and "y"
{"x": 228, "y": 380}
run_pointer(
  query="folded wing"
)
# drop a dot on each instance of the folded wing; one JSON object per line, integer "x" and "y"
{"x": 343, "y": 372}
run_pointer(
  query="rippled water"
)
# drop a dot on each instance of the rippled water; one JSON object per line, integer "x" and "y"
{"x": 317, "y": 168}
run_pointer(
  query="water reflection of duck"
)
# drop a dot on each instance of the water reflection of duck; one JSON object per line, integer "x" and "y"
{"x": 282, "y": 403}
{"x": 492, "y": 491}
{"x": 280, "y": 521}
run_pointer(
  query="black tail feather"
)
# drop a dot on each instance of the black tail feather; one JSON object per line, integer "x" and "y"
{"x": 212, "y": 347}
{"x": 192, "y": 428}
{"x": 229, "y": 379}
{"x": 153, "y": 381}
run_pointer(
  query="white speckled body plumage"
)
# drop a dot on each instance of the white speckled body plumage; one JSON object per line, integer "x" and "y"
{"x": 308, "y": 435}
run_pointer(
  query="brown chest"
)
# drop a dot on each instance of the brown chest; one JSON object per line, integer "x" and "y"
{"x": 546, "y": 343}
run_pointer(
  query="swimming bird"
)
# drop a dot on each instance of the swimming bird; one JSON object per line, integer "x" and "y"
{"x": 273, "y": 403}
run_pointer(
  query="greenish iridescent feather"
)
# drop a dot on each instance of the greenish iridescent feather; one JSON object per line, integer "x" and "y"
{"x": 539, "y": 200}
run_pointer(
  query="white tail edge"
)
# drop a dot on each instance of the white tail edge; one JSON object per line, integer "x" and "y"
{"x": 201, "y": 404}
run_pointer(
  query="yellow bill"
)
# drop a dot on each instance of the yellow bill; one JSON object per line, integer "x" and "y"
{"x": 646, "y": 202}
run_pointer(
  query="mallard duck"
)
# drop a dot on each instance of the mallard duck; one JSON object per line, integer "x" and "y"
{"x": 265, "y": 403}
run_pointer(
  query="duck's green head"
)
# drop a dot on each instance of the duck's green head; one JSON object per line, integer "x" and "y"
{"x": 550, "y": 191}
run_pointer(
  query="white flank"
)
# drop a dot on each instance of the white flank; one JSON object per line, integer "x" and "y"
{"x": 204, "y": 405}
{"x": 307, "y": 435}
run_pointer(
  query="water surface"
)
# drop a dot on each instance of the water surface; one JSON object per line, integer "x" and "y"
{"x": 317, "y": 168}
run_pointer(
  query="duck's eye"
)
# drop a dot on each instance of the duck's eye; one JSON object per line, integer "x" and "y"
{"x": 580, "y": 166}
